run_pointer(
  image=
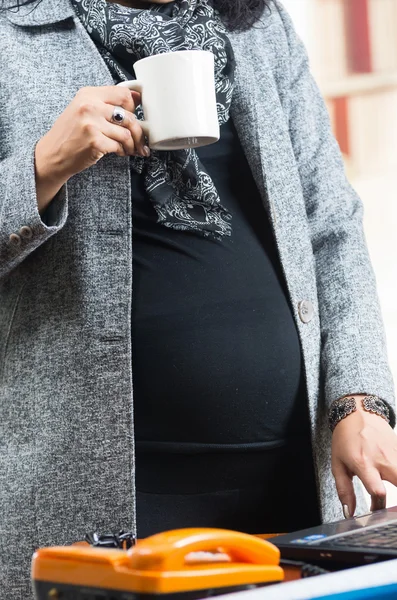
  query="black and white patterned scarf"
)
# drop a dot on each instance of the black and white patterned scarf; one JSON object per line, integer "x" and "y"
{"x": 182, "y": 192}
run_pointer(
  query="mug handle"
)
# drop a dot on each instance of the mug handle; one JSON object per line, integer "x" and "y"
{"x": 136, "y": 86}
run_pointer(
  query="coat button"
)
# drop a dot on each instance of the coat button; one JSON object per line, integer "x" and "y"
{"x": 305, "y": 310}
{"x": 26, "y": 232}
{"x": 15, "y": 239}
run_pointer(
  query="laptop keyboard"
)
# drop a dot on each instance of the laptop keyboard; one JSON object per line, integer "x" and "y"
{"x": 384, "y": 536}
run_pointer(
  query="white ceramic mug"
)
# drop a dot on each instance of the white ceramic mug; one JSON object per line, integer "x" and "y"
{"x": 178, "y": 99}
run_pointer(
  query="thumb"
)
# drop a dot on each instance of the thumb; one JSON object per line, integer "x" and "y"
{"x": 345, "y": 489}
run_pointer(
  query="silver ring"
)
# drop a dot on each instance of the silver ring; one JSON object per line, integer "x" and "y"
{"x": 118, "y": 115}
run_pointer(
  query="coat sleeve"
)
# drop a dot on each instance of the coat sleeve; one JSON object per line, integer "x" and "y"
{"x": 354, "y": 357}
{"x": 22, "y": 229}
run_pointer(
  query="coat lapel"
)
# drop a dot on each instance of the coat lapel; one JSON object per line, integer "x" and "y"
{"x": 261, "y": 122}
{"x": 262, "y": 125}
{"x": 41, "y": 12}
{"x": 244, "y": 114}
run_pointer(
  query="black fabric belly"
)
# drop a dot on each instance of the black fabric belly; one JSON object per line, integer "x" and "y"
{"x": 216, "y": 354}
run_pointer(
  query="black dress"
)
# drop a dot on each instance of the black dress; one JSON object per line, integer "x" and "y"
{"x": 221, "y": 422}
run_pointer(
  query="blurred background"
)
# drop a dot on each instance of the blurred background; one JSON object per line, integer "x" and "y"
{"x": 352, "y": 45}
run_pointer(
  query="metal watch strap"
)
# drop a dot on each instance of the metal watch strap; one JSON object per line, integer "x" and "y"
{"x": 343, "y": 407}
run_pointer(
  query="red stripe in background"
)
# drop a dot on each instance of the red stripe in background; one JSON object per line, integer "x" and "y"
{"x": 358, "y": 35}
{"x": 341, "y": 108}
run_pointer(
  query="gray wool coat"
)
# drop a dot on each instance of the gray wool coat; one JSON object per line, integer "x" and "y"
{"x": 66, "y": 394}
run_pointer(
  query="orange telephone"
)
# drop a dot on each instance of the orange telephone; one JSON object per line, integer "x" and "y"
{"x": 183, "y": 562}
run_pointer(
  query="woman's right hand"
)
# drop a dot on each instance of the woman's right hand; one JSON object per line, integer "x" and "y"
{"x": 83, "y": 134}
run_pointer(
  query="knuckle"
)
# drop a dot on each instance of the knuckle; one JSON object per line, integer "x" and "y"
{"x": 88, "y": 130}
{"x": 122, "y": 97}
{"x": 126, "y": 135}
{"x": 136, "y": 128}
{"x": 125, "y": 95}
{"x": 85, "y": 107}
{"x": 341, "y": 487}
{"x": 343, "y": 494}
{"x": 361, "y": 462}
{"x": 135, "y": 122}
{"x": 120, "y": 150}
{"x": 96, "y": 154}
{"x": 95, "y": 142}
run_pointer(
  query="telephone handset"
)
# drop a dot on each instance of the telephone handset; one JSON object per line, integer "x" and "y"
{"x": 209, "y": 561}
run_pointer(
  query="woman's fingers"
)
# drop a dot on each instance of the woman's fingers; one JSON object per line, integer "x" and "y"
{"x": 345, "y": 489}
{"x": 107, "y": 145}
{"x": 137, "y": 143}
{"x": 117, "y": 96}
{"x": 374, "y": 485}
{"x": 378, "y": 502}
{"x": 103, "y": 145}
{"x": 388, "y": 467}
{"x": 388, "y": 472}
{"x": 121, "y": 135}
{"x": 137, "y": 135}
{"x": 364, "y": 444}
{"x": 110, "y": 97}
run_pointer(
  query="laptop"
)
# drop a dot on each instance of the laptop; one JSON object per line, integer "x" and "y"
{"x": 356, "y": 541}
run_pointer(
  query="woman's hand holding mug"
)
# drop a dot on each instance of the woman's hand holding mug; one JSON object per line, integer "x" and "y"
{"x": 83, "y": 134}
{"x": 178, "y": 97}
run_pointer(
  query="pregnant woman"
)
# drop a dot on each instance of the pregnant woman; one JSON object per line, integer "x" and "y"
{"x": 180, "y": 332}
